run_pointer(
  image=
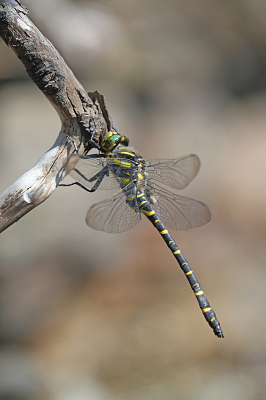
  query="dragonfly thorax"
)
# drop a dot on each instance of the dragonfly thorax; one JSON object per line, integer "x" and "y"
{"x": 128, "y": 166}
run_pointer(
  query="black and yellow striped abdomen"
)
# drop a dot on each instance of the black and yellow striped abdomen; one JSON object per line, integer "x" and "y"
{"x": 139, "y": 193}
{"x": 210, "y": 316}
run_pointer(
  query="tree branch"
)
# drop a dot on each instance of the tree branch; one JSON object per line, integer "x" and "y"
{"x": 79, "y": 112}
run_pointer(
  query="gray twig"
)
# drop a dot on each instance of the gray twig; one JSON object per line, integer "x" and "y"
{"x": 76, "y": 109}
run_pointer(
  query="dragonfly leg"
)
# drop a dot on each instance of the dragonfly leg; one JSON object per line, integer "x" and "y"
{"x": 74, "y": 143}
{"x": 96, "y": 178}
{"x": 92, "y": 136}
{"x": 79, "y": 184}
{"x": 86, "y": 156}
{"x": 91, "y": 140}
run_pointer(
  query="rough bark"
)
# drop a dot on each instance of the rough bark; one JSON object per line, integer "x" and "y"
{"x": 79, "y": 112}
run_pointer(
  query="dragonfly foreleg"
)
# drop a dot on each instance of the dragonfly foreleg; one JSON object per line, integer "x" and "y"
{"x": 74, "y": 143}
{"x": 92, "y": 136}
{"x": 91, "y": 140}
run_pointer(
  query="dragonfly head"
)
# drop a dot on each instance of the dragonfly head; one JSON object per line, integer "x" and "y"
{"x": 113, "y": 139}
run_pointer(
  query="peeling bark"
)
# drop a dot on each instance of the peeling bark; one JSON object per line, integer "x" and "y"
{"x": 79, "y": 112}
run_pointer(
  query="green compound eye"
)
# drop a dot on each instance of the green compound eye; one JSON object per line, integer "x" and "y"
{"x": 113, "y": 139}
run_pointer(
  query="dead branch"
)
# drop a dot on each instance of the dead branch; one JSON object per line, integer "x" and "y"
{"x": 78, "y": 111}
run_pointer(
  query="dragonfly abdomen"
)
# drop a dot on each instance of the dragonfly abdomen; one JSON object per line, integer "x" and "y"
{"x": 121, "y": 167}
{"x": 210, "y": 316}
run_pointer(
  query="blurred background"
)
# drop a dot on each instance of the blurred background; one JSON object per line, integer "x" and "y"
{"x": 87, "y": 315}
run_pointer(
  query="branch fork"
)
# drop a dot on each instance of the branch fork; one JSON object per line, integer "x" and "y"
{"x": 80, "y": 112}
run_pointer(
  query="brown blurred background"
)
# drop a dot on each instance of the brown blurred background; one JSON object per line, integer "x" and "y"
{"x": 91, "y": 316}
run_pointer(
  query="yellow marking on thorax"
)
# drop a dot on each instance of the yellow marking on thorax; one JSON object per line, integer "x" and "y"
{"x": 122, "y": 163}
{"x": 206, "y": 309}
{"x": 164, "y": 232}
{"x": 127, "y": 153}
{"x": 140, "y": 176}
{"x": 199, "y": 293}
{"x": 110, "y": 133}
{"x": 177, "y": 251}
{"x": 141, "y": 194}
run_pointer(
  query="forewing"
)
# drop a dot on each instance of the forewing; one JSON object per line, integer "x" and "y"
{"x": 175, "y": 173}
{"x": 114, "y": 214}
{"x": 177, "y": 212}
{"x": 90, "y": 171}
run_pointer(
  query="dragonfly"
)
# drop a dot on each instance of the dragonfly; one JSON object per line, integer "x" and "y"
{"x": 141, "y": 193}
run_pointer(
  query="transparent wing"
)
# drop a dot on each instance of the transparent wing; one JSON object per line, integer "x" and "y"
{"x": 176, "y": 173}
{"x": 115, "y": 214}
{"x": 177, "y": 212}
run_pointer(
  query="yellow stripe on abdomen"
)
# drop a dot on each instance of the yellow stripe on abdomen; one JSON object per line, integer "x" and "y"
{"x": 177, "y": 251}
{"x": 199, "y": 293}
{"x": 148, "y": 213}
{"x": 143, "y": 202}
